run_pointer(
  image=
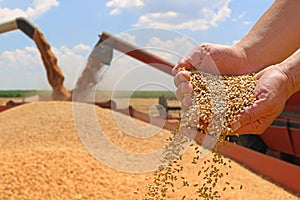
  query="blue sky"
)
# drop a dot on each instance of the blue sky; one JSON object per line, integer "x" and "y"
{"x": 169, "y": 28}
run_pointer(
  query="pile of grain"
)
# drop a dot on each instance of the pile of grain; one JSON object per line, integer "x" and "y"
{"x": 41, "y": 157}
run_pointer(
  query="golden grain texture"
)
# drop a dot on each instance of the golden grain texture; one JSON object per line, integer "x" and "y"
{"x": 42, "y": 157}
{"x": 216, "y": 102}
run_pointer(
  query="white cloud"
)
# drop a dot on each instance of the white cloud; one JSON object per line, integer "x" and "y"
{"x": 70, "y": 62}
{"x": 246, "y": 22}
{"x": 33, "y": 11}
{"x": 127, "y": 37}
{"x": 154, "y": 20}
{"x": 126, "y": 73}
{"x": 241, "y": 16}
{"x": 22, "y": 69}
{"x": 27, "y": 61}
{"x": 177, "y": 14}
{"x": 27, "y": 70}
{"x": 115, "y": 12}
{"x": 81, "y": 47}
{"x": 171, "y": 50}
{"x": 129, "y": 74}
{"x": 27, "y": 57}
{"x": 124, "y": 3}
{"x": 118, "y": 4}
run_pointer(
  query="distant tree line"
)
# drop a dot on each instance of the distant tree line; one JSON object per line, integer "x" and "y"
{"x": 20, "y": 93}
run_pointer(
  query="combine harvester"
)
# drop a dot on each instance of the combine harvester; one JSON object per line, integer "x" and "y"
{"x": 280, "y": 163}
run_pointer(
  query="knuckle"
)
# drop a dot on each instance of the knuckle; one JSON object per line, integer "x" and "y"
{"x": 176, "y": 80}
{"x": 186, "y": 87}
{"x": 259, "y": 127}
{"x": 205, "y": 47}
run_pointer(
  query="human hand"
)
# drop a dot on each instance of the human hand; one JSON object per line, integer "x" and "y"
{"x": 212, "y": 58}
{"x": 272, "y": 91}
{"x": 184, "y": 89}
{"x": 216, "y": 59}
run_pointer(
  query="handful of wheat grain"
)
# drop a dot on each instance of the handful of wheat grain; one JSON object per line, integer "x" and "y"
{"x": 216, "y": 101}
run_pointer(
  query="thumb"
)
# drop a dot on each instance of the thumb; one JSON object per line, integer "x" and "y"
{"x": 259, "y": 74}
{"x": 182, "y": 63}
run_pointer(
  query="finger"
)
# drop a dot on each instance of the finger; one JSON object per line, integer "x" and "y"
{"x": 181, "y": 77}
{"x": 185, "y": 89}
{"x": 249, "y": 116}
{"x": 182, "y": 63}
{"x": 259, "y": 74}
{"x": 185, "y": 104}
{"x": 184, "y": 93}
{"x": 256, "y": 127}
{"x": 194, "y": 58}
{"x": 187, "y": 100}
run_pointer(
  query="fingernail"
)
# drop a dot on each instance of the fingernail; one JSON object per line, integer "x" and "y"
{"x": 185, "y": 76}
{"x": 235, "y": 126}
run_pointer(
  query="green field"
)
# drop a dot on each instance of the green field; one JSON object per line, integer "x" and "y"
{"x": 116, "y": 94}
{"x": 136, "y": 94}
{"x": 22, "y": 93}
{"x": 153, "y": 94}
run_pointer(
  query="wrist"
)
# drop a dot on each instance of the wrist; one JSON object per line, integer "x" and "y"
{"x": 293, "y": 82}
{"x": 291, "y": 67}
{"x": 247, "y": 64}
{"x": 285, "y": 81}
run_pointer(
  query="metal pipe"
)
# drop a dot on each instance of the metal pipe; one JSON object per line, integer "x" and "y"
{"x": 19, "y": 23}
{"x": 8, "y": 26}
{"x": 26, "y": 26}
{"x": 137, "y": 53}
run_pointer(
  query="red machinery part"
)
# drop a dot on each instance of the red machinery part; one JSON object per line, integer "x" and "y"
{"x": 3, "y": 108}
{"x": 294, "y": 127}
{"x": 136, "y": 52}
{"x": 277, "y": 137}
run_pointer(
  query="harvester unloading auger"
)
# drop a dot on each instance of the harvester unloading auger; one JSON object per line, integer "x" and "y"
{"x": 54, "y": 74}
{"x": 282, "y": 172}
{"x": 99, "y": 57}
{"x": 102, "y": 55}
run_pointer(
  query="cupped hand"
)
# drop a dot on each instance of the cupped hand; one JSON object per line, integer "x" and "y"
{"x": 216, "y": 59}
{"x": 212, "y": 58}
{"x": 184, "y": 89}
{"x": 272, "y": 91}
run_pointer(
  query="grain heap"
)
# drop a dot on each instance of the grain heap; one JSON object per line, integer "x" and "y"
{"x": 216, "y": 101}
{"x": 42, "y": 157}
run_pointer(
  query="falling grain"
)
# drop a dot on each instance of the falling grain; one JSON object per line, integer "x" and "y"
{"x": 216, "y": 101}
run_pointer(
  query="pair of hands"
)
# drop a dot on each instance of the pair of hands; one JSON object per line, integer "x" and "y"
{"x": 272, "y": 90}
